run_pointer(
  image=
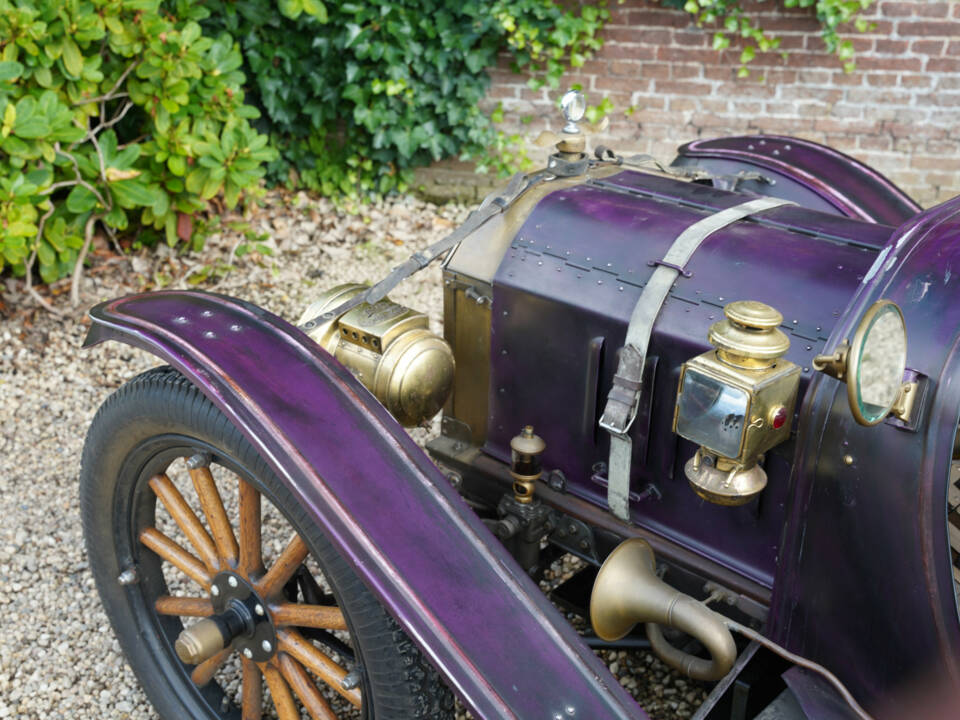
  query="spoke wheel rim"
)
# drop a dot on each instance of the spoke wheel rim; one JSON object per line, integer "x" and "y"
{"x": 284, "y": 676}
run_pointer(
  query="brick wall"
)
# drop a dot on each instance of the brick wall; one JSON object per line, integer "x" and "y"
{"x": 898, "y": 111}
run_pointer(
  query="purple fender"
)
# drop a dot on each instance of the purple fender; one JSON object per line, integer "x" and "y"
{"x": 484, "y": 624}
{"x": 810, "y": 174}
{"x": 864, "y": 584}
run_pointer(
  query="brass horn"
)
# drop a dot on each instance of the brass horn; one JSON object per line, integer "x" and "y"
{"x": 627, "y": 591}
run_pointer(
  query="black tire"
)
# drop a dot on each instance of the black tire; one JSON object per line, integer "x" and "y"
{"x": 138, "y": 432}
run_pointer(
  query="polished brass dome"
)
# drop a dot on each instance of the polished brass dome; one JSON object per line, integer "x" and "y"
{"x": 749, "y": 336}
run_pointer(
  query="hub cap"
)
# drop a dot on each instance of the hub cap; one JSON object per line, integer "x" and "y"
{"x": 255, "y": 607}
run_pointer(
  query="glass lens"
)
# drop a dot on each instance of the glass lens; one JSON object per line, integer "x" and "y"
{"x": 883, "y": 357}
{"x": 711, "y": 413}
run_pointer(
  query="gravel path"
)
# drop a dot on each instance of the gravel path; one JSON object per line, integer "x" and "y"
{"x": 58, "y": 656}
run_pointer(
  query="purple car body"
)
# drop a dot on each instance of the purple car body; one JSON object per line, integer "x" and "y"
{"x": 832, "y": 552}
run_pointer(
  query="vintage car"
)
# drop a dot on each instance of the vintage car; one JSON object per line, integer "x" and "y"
{"x": 696, "y": 378}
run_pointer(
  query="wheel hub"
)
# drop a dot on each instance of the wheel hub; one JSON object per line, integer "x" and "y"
{"x": 240, "y": 622}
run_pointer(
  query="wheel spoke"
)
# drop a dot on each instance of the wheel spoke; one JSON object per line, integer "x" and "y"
{"x": 175, "y": 555}
{"x": 304, "y": 688}
{"x": 204, "y": 672}
{"x": 184, "y": 516}
{"x": 297, "y": 646}
{"x": 212, "y": 505}
{"x": 280, "y": 692}
{"x": 284, "y": 567}
{"x": 184, "y": 606}
{"x": 316, "y": 616}
{"x": 251, "y": 560}
{"x": 251, "y": 705}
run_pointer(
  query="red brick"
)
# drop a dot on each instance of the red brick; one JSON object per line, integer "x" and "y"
{"x": 881, "y": 79}
{"x": 681, "y": 104}
{"x": 932, "y": 9}
{"x": 777, "y": 23}
{"x": 928, "y": 47}
{"x": 786, "y": 126}
{"x": 935, "y": 29}
{"x": 630, "y": 68}
{"x": 740, "y": 90}
{"x": 629, "y": 52}
{"x": 848, "y": 127}
{"x": 885, "y": 45}
{"x": 814, "y": 77}
{"x": 660, "y": 71}
{"x": 690, "y": 38}
{"x": 663, "y": 18}
{"x": 846, "y": 79}
{"x": 670, "y": 54}
{"x": 916, "y": 81}
{"x": 638, "y": 35}
{"x": 874, "y": 142}
{"x": 935, "y": 162}
{"x": 621, "y": 84}
{"x": 680, "y": 87}
{"x": 684, "y": 72}
{"x": 897, "y": 9}
{"x": 949, "y": 65}
{"x": 889, "y": 63}
{"x": 791, "y": 42}
{"x": 953, "y": 49}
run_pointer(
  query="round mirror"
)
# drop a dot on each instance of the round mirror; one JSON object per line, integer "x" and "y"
{"x": 877, "y": 359}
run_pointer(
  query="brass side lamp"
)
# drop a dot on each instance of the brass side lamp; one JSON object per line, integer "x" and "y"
{"x": 736, "y": 402}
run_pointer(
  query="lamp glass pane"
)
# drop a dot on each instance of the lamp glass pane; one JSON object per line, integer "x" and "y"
{"x": 712, "y": 414}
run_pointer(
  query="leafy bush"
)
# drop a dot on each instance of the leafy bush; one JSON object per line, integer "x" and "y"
{"x": 355, "y": 95}
{"x": 114, "y": 111}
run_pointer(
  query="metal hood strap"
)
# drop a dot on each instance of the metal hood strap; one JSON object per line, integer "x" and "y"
{"x": 622, "y": 400}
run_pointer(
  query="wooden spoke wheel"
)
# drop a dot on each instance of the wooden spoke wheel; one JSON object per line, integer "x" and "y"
{"x": 226, "y": 599}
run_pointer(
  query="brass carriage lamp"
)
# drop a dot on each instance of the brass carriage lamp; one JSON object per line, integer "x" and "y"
{"x": 736, "y": 402}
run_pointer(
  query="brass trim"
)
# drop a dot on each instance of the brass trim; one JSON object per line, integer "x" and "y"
{"x": 853, "y": 361}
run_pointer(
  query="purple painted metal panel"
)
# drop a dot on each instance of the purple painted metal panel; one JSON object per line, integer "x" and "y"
{"x": 485, "y": 625}
{"x": 816, "y": 697}
{"x": 812, "y": 174}
{"x": 864, "y": 584}
{"x": 574, "y": 273}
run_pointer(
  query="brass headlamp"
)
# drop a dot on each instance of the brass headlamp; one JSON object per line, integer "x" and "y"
{"x": 390, "y": 349}
{"x": 736, "y": 402}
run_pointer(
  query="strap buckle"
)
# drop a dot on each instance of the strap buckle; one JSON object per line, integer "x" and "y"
{"x": 623, "y": 400}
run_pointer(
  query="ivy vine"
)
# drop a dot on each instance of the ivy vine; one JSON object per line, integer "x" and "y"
{"x": 731, "y": 20}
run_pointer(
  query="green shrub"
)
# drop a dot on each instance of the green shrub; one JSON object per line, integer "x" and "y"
{"x": 117, "y": 113}
{"x": 356, "y": 96}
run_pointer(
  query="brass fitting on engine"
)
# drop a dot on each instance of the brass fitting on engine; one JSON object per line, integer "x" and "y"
{"x": 390, "y": 349}
{"x": 526, "y": 466}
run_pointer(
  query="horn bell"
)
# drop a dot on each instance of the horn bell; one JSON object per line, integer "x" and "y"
{"x": 627, "y": 591}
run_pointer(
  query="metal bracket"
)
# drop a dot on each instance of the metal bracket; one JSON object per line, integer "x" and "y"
{"x": 678, "y": 268}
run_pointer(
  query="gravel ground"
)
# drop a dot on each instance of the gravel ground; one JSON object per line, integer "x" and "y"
{"x": 58, "y": 656}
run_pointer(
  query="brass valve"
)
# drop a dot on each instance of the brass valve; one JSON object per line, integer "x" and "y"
{"x": 526, "y": 465}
